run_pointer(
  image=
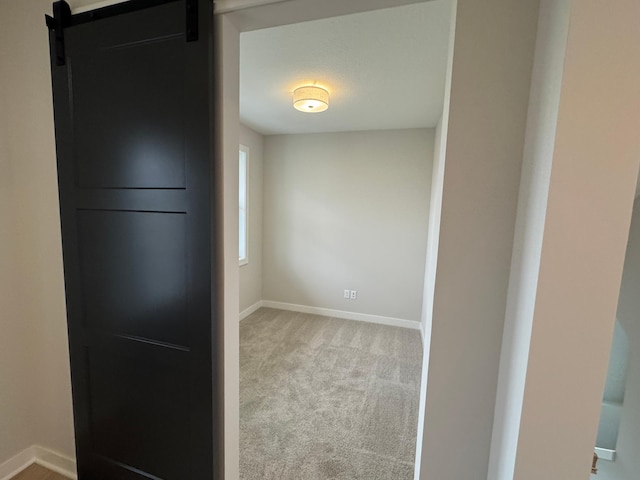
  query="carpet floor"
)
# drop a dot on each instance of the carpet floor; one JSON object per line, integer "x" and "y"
{"x": 327, "y": 399}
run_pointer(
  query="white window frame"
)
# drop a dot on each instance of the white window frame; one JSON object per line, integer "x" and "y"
{"x": 244, "y": 150}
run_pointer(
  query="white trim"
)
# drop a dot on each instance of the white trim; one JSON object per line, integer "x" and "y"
{"x": 54, "y": 461}
{"x": 605, "y": 454}
{"x": 94, "y": 6}
{"x": 360, "y": 317}
{"x": 221, "y": 6}
{"x": 248, "y": 311}
{"x": 422, "y": 333}
{"x": 16, "y": 464}
{"x": 225, "y": 6}
{"x": 247, "y": 161}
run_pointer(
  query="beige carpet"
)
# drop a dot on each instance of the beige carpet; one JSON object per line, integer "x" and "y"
{"x": 323, "y": 398}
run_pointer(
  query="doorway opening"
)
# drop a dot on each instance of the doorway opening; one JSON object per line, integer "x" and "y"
{"x": 334, "y": 214}
{"x": 617, "y": 441}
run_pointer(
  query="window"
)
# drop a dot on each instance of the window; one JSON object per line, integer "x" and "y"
{"x": 243, "y": 204}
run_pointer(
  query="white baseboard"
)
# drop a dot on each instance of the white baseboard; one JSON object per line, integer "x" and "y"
{"x": 16, "y": 464}
{"x": 360, "y": 317}
{"x": 245, "y": 313}
{"x": 54, "y": 461}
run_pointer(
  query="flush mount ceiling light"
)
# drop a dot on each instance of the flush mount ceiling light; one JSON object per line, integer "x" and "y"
{"x": 310, "y": 99}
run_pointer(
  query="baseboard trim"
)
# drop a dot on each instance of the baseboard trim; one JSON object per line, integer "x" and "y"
{"x": 248, "y": 311}
{"x": 16, "y": 464}
{"x": 54, "y": 461}
{"x": 360, "y": 317}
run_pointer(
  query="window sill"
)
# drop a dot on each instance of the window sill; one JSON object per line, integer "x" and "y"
{"x": 606, "y": 454}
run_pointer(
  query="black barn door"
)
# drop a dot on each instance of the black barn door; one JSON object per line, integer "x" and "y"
{"x": 132, "y": 92}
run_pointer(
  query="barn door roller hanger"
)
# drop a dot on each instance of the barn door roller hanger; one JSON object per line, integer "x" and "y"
{"x": 62, "y": 19}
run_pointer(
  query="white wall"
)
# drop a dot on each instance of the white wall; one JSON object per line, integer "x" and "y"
{"x": 627, "y": 463}
{"x": 542, "y": 120}
{"x": 37, "y": 367}
{"x": 251, "y": 273}
{"x": 348, "y": 211}
{"x": 593, "y": 180}
{"x": 491, "y": 74}
{"x": 17, "y": 368}
{"x": 16, "y": 365}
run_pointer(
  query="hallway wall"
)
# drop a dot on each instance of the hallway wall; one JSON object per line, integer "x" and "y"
{"x": 16, "y": 365}
{"x": 33, "y": 317}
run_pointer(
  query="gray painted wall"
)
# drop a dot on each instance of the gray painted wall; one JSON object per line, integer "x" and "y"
{"x": 618, "y": 366}
{"x": 16, "y": 368}
{"x": 347, "y": 211}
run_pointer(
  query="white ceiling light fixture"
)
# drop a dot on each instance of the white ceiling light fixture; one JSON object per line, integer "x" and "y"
{"x": 311, "y": 99}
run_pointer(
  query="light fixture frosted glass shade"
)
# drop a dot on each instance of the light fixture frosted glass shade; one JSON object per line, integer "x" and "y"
{"x": 310, "y": 99}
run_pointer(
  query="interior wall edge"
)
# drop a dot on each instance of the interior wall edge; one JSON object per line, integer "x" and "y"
{"x": 228, "y": 122}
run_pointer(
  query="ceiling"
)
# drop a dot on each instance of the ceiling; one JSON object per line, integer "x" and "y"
{"x": 384, "y": 69}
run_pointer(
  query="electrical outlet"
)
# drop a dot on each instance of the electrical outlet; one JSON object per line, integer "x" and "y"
{"x": 347, "y": 294}
{"x": 354, "y": 294}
